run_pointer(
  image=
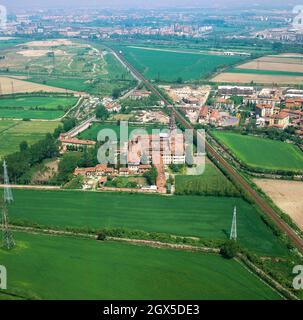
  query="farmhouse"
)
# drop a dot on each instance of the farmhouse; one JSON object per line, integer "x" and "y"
{"x": 68, "y": 142}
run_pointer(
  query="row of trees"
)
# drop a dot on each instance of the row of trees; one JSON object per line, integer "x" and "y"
{"x": 20, "y": 163}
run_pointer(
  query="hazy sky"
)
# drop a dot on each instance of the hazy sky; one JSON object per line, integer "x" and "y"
{"x": 142, "y": 3}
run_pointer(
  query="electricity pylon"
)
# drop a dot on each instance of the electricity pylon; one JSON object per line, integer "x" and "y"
{"x": 7, "y": 236}
{"x": 233, "y": 231}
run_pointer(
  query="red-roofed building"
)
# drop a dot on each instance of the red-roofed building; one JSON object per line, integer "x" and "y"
{"x": 203, "y": 117}
{"x": 281, "y": 120}
{"x": 264, "y": 110}
{"x": 294, "y": 103}
{"x": 67, "y": 142}
{"x": 214, "y": 117}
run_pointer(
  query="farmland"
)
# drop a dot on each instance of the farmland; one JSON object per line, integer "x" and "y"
{"x": 287, "y": 195}
{"x": 211, "y": 182}
{"x": 92, "y": 132}
{"x": 12, "y": 133}
{"x": 169, "y": 65}
{"x": 278, "y": 69}
{"x": 35, "y": 107}
{"x": 258, "y": 152}
{"x": 65, "y": 64}
{"x": 205, "y": 217}
{"x": 56, "y": 268}
{"x": 10, "y": 85}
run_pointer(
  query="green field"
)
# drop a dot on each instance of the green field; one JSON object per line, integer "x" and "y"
{"x": 49, "y": 267}
{"x": 169, "y": 65}
{"x": 114, "y": 76}
{"x": 262, "y": 153}
{"x": 211, "y": 182}
{"x": 92, "y": 132}
{"x": 12, "y": 133}
{"x": 205, "y": 217}
{"x": 35, "y": 107}
{"x": 269, "y": 72}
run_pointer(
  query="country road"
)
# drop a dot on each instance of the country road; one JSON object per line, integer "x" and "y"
{"x": 234, "y": 175}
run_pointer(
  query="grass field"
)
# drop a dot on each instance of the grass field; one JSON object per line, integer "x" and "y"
{"x": 35, "y": 107}
{"x": 262, "y": 153}
{"x": 206, "y": 217}
{"x": 211, "y": 182}
{"x": 64, "y": 268}
{"x": 93, "y": 131}
{"x": 12, "y": 133}
{"x": 169, "y": 65}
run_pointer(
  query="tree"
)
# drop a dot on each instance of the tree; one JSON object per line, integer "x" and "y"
{"x": 68, "y": 124}
{"x": 151, "y": 176}
{"x": 67, "y": 165}
{"x": 101, "y": 112}
{"x": 229, "y": 249}
{"x": 180, "y": 80}
{"x": 116, "y": 93}
{"x": 58, "y": 131}
{"x": 23, "y": 146}
{"x": 101, "y": 236}
{"x": 89, "y": 158}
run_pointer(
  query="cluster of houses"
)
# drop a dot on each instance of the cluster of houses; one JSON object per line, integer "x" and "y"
{"x": 213, "y": 116}
{"x": 273, "y": 107}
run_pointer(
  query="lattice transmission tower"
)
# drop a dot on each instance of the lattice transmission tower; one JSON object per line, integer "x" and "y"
{"x": 233, "y": 231}
{"x": 7, "y": 236}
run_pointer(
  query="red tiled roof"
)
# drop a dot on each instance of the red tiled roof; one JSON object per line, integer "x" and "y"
{"x": 101, "y": 167}
{"x": 264, "y": 106}
{"x": 77, "y": 141}
{"x": 203, "y": 111}
{"x": 144, "y": 166}
{"x": 294, "y": 100}
{"x": 281, "y": 115}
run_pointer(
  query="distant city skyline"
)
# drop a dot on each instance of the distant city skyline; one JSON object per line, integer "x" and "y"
{"x": 14, "y": 4}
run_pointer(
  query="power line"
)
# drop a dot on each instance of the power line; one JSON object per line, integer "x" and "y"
{"x": 233, "y": 231}
{"x": 7, "y": 236}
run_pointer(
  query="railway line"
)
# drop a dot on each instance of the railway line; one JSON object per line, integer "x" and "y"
{"x": 234, "y": 175}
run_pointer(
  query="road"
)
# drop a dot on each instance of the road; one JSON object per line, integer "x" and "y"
{"x": 235, "y": 176}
